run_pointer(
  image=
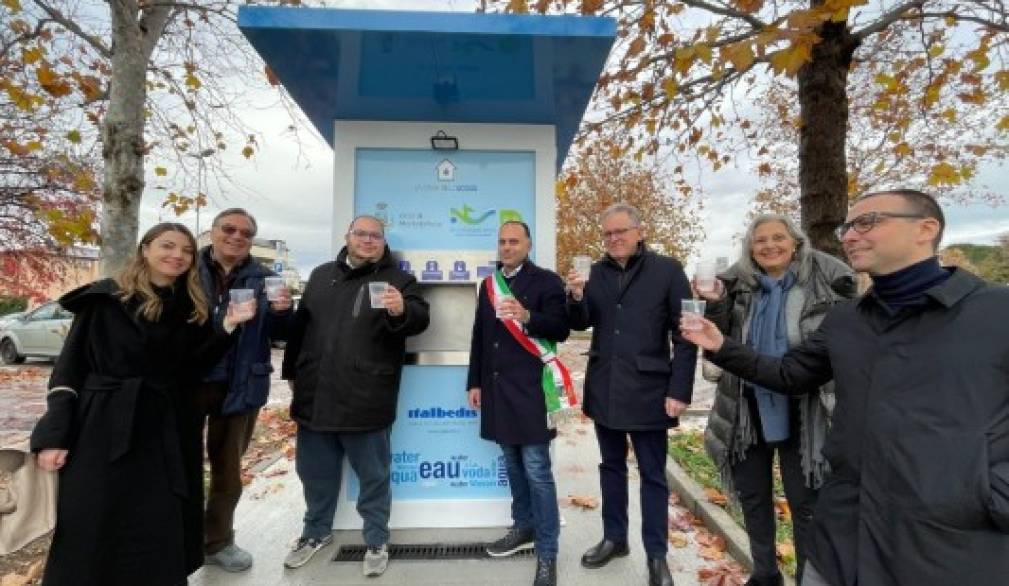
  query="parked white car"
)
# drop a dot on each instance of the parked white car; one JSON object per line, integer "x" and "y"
{"x": 38, "y": 333}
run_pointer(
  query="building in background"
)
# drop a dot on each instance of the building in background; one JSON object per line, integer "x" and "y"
{"x": 272, "y": 254}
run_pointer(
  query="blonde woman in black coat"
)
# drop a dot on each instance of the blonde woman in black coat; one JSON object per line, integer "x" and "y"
{"x": 118, "y": 426}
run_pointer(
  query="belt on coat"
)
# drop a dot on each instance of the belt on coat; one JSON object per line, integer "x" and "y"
{"x": 123, "y": 404}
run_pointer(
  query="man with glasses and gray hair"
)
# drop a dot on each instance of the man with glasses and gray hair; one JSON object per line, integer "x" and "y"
{"x": 343, "y": 361}
{"x": 919, "y": 448}
{"x": 231, "y": 395}
{"x": 640, "y": 377}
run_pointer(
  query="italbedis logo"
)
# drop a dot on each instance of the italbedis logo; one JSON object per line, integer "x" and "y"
{"x": 465, "y": 215}
{"x": 441, "y": 413}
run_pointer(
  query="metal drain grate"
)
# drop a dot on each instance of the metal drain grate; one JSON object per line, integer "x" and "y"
{"x": 427, "y": 551}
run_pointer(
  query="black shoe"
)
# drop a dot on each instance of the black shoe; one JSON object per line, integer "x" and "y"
{"x": 775, "y": 580}
{"x": 601, "y": 553}
{"x": 516, "y": 540}
{"x": 546, "y": 572}
{"x": 658, "y": 572}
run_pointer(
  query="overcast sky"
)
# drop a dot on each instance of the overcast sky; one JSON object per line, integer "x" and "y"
{"x": 288, "y": 186}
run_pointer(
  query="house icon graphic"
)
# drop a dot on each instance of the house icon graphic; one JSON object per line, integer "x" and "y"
{"x": 446, "y": 170}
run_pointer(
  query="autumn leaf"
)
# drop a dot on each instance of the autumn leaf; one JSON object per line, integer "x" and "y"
{"x": 51, "y": 82}
{"x": 271, "y": 77}
{"x": 749, "y": 6}
{"x": 193, "y": 82}
{"x": 715, "y": 496}
{"x": 160, "y": 171}
{"x": 591, "y": 6}
{"x": 585, "y": 502}
{"x": 678, "y": 539}
{"x": 784, "y": 511}
{"x": 247, "y": 152}
{"x": 13, "y": 5}
{"x": 739, "y": 54}
{"x": 786, "y": 552}
{"x": 711, "y": 554}
{"x": 1003, "y": 124}
{"x": 89, "y": 85}
{"x": 944, "y": 174}
{"x": 636, "y": 47}
{"x": 670, "y": 87}
{"x": 30, "y": 56}
{"x": 74, "y": 136}
{"x": 518, "y": 6}
{"x": 790, "y": 60}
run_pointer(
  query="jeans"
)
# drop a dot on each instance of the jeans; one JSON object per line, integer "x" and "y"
{"x": 650, "y": 450}
{"x": 319, "y": 463}
{"x": 534, "y": 494}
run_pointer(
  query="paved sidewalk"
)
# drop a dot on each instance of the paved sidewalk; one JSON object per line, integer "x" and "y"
{"x": 269, "y": 517}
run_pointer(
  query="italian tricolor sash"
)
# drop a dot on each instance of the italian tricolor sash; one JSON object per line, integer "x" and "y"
{"x": 558, "y": 391}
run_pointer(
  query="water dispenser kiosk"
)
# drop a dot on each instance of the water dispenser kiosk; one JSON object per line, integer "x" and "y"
{"x": 443, "y": 125}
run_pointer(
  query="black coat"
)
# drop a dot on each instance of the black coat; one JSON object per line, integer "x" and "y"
{"x": 344, "y": 357}
{"x": 513, "y": 409}
{"x": 919, "y": 448}
{"x": 634, "y": 312}
{"x": 130, "y": 504}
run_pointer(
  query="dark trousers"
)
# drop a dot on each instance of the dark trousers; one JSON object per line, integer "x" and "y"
{"x": 753, "y": 479}
{"x": 650, "y": 450}
{"x": 534, "y": 494}
{"x": 228, "y": 437}
{"x": 319, "y": 463}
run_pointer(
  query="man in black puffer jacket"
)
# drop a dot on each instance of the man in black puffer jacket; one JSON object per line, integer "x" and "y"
{"x": 344, "y": 361}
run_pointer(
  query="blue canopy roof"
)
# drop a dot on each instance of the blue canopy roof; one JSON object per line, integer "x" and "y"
{"x": 433, "y": 66}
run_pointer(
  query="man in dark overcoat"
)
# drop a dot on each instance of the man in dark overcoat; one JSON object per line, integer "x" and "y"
{"x": 919, "y": 449}
{"x": 505, "y": 383}
{"x": 640, "y": 377}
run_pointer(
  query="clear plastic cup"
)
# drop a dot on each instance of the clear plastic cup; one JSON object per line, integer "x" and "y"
{"x": 692, "y": 310}
{"x": 274, "y": 288}
{"x": 500, "y": 302}
{"x": 241, "y": 301}
{"x": 583, "y": 266}
{"x": 376, "y": 289}
{"x": 704, "y": 276}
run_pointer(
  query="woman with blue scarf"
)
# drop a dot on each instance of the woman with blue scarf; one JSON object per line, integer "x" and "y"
{"x": 771, "y": 299}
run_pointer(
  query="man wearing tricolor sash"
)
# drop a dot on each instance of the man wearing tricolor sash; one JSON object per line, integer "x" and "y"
{"x": 639, "y": 378}
{"x": 521, "y": 388}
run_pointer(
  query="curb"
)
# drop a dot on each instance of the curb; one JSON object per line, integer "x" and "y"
{"x": 717, "y": 520}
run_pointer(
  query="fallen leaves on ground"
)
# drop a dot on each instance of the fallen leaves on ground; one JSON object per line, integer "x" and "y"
{"x": 678, "y": 539}
{"x": 33, "y": 573}
{"x": 784, "y": 511}
{"x": 715, "y": 496}
{"x": 786, "y": 552}
{"x": 683, "y": 520}
{"x": 723, "y": 574}
{"x": 583, "y": 501}
{"x": 711, "y": 546}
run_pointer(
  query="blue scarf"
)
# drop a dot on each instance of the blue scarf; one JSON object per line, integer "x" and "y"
{"x": 769, "y": 335}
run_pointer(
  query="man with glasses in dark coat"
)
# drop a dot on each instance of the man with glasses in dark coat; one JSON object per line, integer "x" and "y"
{"x": 640, "y": 377}
{"x": 344, "y": 359}
{"x": 919, "y": 449}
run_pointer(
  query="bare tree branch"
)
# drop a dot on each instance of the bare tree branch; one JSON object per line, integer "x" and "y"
{"x": 73, "y": 27}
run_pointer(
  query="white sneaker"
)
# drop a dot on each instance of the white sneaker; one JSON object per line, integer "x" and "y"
{"x": 376, "y": 560}
{"x": 304, "y": 549}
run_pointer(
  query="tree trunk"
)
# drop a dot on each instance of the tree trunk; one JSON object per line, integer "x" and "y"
{"x": 823, "y": 169}
{"x": 122, "y": 130}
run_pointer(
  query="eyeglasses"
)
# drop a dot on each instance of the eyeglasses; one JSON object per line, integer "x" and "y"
{"x": 366, "y": 235}
{"x": 231, "y": 230}
{"x": 617, "y": 233}
{"x": 866, "y": 222}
